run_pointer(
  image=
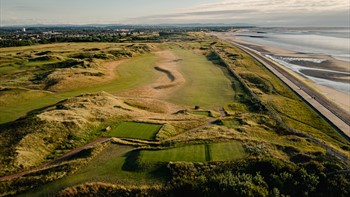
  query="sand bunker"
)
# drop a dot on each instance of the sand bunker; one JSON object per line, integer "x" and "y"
{"x": 169, "y": 80}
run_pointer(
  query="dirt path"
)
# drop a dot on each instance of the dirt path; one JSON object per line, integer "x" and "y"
{"x": 56, "y": 161}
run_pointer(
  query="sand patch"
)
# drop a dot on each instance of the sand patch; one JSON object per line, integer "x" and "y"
{"x": 340, "y": 98}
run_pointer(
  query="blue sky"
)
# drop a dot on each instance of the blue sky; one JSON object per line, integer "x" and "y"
{"x": 257, "y": 12}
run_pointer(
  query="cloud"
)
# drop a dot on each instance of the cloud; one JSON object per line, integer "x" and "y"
{"x": 194, "y": 16}
{"x": 274, "y": 5}
{"x": 260, "y": 12}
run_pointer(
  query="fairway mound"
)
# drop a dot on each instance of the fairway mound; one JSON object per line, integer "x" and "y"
{"x": 49, "y": 132}
{"x": 68, "y": 79}
{"x": 151, "y": 105}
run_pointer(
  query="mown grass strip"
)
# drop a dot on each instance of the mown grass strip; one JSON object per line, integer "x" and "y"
{"x": 194, "y": 153}
{"x": 225, "y": 151}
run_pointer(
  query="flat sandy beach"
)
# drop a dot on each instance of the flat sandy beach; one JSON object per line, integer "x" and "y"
{"x": 341, "y": 68}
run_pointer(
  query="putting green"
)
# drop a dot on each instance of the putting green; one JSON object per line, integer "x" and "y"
{"x": 137, "y": 130}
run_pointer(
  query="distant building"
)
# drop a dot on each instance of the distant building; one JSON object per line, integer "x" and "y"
{"x": 24, "y": 29}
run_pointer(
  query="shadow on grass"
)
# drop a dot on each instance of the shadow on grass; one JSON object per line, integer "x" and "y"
{"x": 157, "y": 170}
{"x": 131, "y": 161}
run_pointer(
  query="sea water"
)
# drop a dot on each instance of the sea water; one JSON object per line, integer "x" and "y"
{"x": 334, "y": 41}
{"x": 329, "y": 41}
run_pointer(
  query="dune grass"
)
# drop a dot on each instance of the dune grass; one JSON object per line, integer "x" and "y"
{"x": 206, "y": 84}
{"x": 131, "y": 74}
{"x": 147, "y": 131}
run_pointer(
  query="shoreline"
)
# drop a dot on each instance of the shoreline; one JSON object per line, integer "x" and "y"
{"x": 338, "y": 118}
{"x": 340, "y": 98}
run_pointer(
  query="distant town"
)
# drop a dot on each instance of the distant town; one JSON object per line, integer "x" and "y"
{"x": 23, "y": 36}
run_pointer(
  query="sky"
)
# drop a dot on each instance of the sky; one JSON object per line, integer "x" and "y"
{"x": 254, "y": 12}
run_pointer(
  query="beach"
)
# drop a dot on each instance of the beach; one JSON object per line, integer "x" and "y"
{"x": 323, "y": 72}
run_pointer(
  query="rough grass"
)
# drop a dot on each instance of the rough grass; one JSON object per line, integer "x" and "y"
{"x": 202, "y": 113}
{"x": 224, "y": 151}
{"x": 206, "y": 83}
{"x": 147, "y": 131}
{"x": 13, "y": 96}
{"x": 231, "y": 123}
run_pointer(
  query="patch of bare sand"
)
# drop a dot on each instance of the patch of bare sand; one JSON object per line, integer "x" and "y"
{"x": 340, "y": 98}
